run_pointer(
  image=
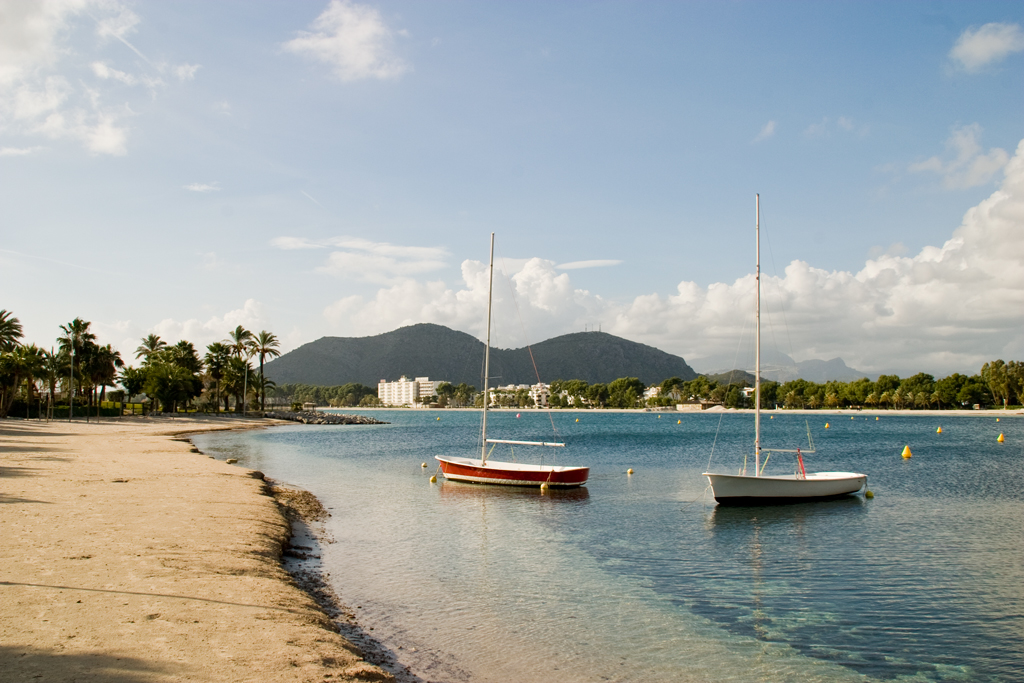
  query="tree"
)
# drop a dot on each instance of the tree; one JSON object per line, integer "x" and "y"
{"x": 217, "y": 357}
{"x": 10, "y": 331}
{"x": 975, "y": 391}
{"x": 103, "y": 364}
{"x": 625, "y": 392}
{"x": 237, "y": 378}
{"x": 239, "y": 341}
{"x": 266, "y": 345}
{"x": 171, "y": 384}
{"x": 133, "y": 380}
{"x": 598, "y": 394}
{"x": 184, "y": 355}
{"x": 994, "y": 375}
{"x": 769, "y": 394}
{"x": 75, "y": 339}
{"x": 150, "y": 344}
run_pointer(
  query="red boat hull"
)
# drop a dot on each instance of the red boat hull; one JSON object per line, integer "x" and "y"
{"x": 511, "y": 474}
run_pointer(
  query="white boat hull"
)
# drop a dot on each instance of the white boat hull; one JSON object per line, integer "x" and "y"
{"x": 511, "y": 473}
{"x": 741, "y": 489}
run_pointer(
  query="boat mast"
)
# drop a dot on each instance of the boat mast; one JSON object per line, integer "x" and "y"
{"x": 757, "y": 345}
{"x": 487, "y": 356}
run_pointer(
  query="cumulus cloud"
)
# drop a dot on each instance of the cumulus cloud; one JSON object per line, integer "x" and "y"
{"x": 45, "y": 48}
{"x": 361, "y": 259}
{"x": 594, "y": 263}
{"x": 948, "y": 308}
{"x": 965, "y": 163}
{"x": 214, "y": 328}
{"x": 766, "y": 132}
{"x": 202, "y": 187}
{"x": 977, "y": 48}
{"x": 352, "y": 40}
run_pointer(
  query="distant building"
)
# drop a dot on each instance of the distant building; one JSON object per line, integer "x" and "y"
{"x": 652, "y": 392}
{"x": 540, "y": 393}
{"x": 407, "y": 392}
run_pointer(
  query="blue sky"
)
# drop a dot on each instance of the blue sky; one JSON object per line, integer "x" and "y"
{"x": 335, "y": 168}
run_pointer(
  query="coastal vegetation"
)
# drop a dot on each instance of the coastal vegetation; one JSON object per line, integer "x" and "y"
{"x": 73, "y": 377}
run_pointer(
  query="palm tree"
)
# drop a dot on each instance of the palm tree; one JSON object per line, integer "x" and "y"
{"x": 54, "y": 366}
{"x": 10, "y": 331}
{"x": 266, "y": 345}
{"x": 72, "y": 342}
{"x": 150, "y": 345}
{"x": 103, "y": 367}
{"x": 216, "y": 359}
{"x": 133, "y": 380}
{"x": 239, "y": 341}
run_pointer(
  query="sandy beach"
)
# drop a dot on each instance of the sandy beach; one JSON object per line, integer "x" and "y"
{"x": 128, "y": 556}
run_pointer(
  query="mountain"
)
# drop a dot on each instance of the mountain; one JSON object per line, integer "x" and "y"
{"x": 780, "y": 367}
{"x": 435, "y": 351}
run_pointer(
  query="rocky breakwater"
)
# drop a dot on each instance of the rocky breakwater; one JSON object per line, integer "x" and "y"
{"x": 310, "y": 417}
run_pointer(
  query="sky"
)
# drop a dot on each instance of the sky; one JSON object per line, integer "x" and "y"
{"x": 332, "y": 168}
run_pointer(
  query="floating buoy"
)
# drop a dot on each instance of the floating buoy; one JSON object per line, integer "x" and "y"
{"x": 544, "y": 486}
{"x": 826, "y": 425}
{"x": 439, "y": 419}
{"x": 771, "y": 417}
{"x": 876, "y": 418}
{"x": 577, "y": 419}
{"x": 939, "y": 430}
{"x": 1000, "y": 439}
{"x": 868, "y": 494}
{"x": 679, "y": 422}
{"x": 517, "y": 415}
{"x": 423, "y": 464}
{"x": 906, "y": 451}
{"x": 433, "y": 479}
{"x": 852, "y": 417}
{"x": 629, "y": 471}
{"x": 659, "y": 417}
{"x": 997, "y": 419}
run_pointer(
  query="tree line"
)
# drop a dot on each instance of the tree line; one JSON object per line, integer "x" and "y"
{"x": 171, "y": 376}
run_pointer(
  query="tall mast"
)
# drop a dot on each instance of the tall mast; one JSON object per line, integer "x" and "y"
{"x": 487, "y": 355}
{"x": 757, "y": 345}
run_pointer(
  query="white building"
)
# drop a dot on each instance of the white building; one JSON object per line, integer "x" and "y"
{"x": 540, "y": 393}
{"x": 406, "y": 392}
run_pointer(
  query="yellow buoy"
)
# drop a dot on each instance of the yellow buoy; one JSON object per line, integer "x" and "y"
{"x": 629, "y": 471}
{"x": 544, "y": 486}
{"x": 771, "y": 417}
{"x": 659, "y": 417}
{"x": 423, "y": 464}
{"x": 1000, "y": 439}
{"x": 997, "y": 419}
{"x": 433, "y": 479}
{"x": 906, "y": 451}
{"x": 826, "y": 425}
{"x": 939, "y": 430}
{"x": 852, "y": 417}
{"x": 876, "y": 419}
{"x": 868, "y": 494}
{"x": 439, "y": 419}
{"x": 679, "y": 422}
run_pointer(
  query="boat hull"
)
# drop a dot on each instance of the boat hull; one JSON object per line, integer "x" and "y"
{"x": 511, "y": 473}
{"x": 739, "y": 489}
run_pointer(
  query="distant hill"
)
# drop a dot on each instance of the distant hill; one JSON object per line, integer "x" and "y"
{"x": 782, "y": 368}
{"x": 734, "y": 377}
{"x": 435, "y": 351}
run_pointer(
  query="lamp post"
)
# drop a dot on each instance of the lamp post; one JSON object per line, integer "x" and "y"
{"x": 71, "y": 381}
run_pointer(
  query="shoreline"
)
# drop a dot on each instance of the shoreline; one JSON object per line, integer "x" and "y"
{"x": 132, "y": 556}
{"x": 902, "y": 412}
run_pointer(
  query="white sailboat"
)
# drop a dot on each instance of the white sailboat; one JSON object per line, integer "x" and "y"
{"x": 757, "y": 488}
{"x": 483, "y": 471}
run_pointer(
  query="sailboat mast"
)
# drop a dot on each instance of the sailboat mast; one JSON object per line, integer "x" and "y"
{"x": 487, "y": 355}
{"x": 757, "y": 345}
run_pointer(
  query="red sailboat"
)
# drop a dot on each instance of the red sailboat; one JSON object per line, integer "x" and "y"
{"x": 483, "y": 471}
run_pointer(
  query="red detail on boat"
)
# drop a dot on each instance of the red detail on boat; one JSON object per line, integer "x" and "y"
{"x": 512, "y": 474}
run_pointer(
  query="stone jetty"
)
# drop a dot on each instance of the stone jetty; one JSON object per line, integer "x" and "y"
{"x": 311, "y": 417}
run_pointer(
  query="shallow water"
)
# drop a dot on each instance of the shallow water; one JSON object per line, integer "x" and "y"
{"x": 643, "y": 577}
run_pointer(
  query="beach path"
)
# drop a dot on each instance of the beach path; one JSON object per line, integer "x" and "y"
{"x": 126, "y": 557}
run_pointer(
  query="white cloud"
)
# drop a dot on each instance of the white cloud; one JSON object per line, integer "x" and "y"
{"x": 18, "y": 151}
{"x": 966, "y": 164}
{"x": 766, "y": 132}
{"x": 992, "y": 43}
{"x": 289, "y": 243}
{"x": 595, "y": 263}
{"x": 826, "y": 127}
{"x": 353, "y": 40}
{"x": 186, "y": 72}
{"x": 202, "y": 187}
{"x": 44, "y": 49}
{"x": 214, "y": 328}
{"x": 945, "y": 309}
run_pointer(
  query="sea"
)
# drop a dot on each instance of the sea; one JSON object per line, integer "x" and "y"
{"x": 642, "y": 577}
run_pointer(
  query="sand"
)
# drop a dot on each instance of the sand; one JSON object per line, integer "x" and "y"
{"x": 127, "y": 557}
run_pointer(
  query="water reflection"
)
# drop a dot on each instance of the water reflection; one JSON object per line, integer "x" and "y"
{"x": 464, "y": 491}
{"x": 736, "y": 518}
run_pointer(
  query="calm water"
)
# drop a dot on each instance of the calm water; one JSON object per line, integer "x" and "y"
{"x": 643, "y": 578}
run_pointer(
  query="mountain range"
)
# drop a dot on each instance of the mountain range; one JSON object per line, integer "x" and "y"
{"x": 435, "y": 351}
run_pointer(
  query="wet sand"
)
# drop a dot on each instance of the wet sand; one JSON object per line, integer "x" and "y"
{"x": 128, "y": 557}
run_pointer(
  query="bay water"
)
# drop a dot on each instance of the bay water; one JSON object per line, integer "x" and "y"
{"x": 643, "y": 577}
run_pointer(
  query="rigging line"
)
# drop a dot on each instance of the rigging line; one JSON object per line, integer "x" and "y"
{"x": 529, "y": 349}
{"x": 782, "y": 308}
{"x": 721, "y": 416}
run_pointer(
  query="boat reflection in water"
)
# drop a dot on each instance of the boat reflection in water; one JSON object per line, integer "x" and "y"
{"x": 456, "y": 490}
